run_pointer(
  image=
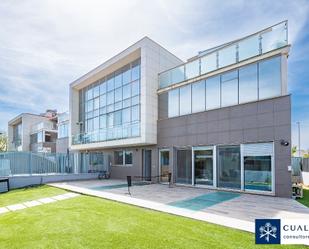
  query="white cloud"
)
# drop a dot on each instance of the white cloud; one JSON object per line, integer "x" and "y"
{"x": 45, "y": 45}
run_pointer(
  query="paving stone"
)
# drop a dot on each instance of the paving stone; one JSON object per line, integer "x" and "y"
{"x": 46, "y": 200}
{"x": 3, "y": 210}
{"x": 32, "y": 203}
{"x": 16, "y": 207}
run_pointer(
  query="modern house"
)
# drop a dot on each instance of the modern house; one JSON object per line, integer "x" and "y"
{"x": 62, "y": 143}
{"x": 33, "y": 132}
{"x": 221, "y": 120}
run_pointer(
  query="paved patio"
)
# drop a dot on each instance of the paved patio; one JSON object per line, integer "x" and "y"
{"x": 236, "y": 210}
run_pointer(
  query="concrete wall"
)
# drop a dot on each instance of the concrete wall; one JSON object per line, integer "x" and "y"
{"x": 267, "y": 120}
{"x": 24, "y": 181}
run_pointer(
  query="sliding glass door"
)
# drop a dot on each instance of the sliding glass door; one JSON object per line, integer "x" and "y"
{"x": 203, "y": 163}
{"x": 184, "y": 166}
{"x": 164, "y": 164}
{"x": 228, "y": 167}
{"x": 258, "y": 161}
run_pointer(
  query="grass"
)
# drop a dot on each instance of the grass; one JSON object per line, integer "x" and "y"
{"x": 89, "y": 222}
{"x": 305, "y": 200}
{"x": 28, "y": 194}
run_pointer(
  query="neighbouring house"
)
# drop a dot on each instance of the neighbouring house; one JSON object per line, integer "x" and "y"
{"x": 62, "y": 144}
{"x": 33, "y": 132}
{"x": 221, "y": 120}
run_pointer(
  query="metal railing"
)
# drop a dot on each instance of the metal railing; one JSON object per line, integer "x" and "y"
{"x": 29, "y": 163}
{"x": 227, "y": 54}
{"x": 102, "y": 135}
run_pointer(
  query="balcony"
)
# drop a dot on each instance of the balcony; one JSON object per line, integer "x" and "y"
{"x": 267, "y": 40}
{"x": 43, "y": 126}
{"x": 103, "y": 135}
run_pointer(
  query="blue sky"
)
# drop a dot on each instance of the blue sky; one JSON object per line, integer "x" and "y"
{"x": 45, "y": 45}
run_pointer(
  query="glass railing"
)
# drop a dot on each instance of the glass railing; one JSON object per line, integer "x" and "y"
{"x": 259, "y": 43}
{"x": 102, "y": 135}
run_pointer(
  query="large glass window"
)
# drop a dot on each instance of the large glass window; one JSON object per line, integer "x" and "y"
{"x": 135, "y": 88}
{"x": 258, "y": 166}
{"x": 173, "y": 103}
{"x": 118, "y": 157}
{"x": 248, "y": 83}
{"x": 135, "y": 113}
{"x": 213, "y": 93}
{"x": 229, "y": 89}
{"x": 184, "y": 166}
{"x": 126, "y": 91}
{"x": 203, "y": 166}
{"x": 164, "y": 165}
{"x": 269, "y": 78}
{"x": 128, "y": 157}
{"x": 185, "y": 100}
{"x": 118, "y": 94}
{"x": 228, "y": 167}
{"x": 198, "y": 96}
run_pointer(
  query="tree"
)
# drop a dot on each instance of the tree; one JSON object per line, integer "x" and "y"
{"x": 3, "y": 143}
{"x": 294, "y": 149}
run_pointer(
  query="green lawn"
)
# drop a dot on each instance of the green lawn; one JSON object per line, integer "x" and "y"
{"x": 28, "y": 194}
{"x": 89, "y": 222}
{"x": 305, "y": 200}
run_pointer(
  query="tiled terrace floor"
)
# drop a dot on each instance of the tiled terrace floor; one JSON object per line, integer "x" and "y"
{"x": 225, "y": 208}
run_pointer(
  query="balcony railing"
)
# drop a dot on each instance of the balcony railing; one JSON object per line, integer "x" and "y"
{"x": 210, "y": 60}
{"x": 43, "y": 126}
{"x": 102, "y": 135}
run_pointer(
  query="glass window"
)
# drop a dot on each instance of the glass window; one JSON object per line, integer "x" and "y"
{"x": 117, "y": 118}
{"x": 229, "y": 89}
{"x": 213, "y": 93}
{"x": 110, "y": 83}
{"x": 96, "y": 113}
{"x": 173, "y": 103}
{"x": 192, "y": 69}
{"x": 118, "y": 105}
{"x": 248, "y": 84}
{"x": 103, "y": 121}
{"x": 118, "y": 157}
{"x": 126, "y": 91}
{"x": 184, "y": 166}
{"x": 110, "y": 97}
{"x": 103, "y": 110}
{"x": 258, "y": 166}
{"x": 198, "y": 96}
{"x": 40, "y": 137}
{"x": 126, "y": 103}
{"x": 96, "y": 91}
{"x": 126, "y": 76}
{"x": 185, "y": 99}
{"x": 118, "y": 94}
{"x": 135, "y": 100}
{"x": 89, "y": 94}
{"x": 103, "y": 100}
{"x": 136, "y": 72}
{"x": 96, "y": 123}
{"x": 135, "y": 130}
{"x": 227, "y": 56}
{"x": 110, "y": 108}
{"x": 228, "y": 172}
{"x": 269, "y": 78}
{"x": 135, "y": 113}
{"x": 248, "y": 48}
{"x": 209, "y": 63}
{"x": 126, "y": 118}
{"x": 90, "y": 105}
{"x": 103, "y": 88}
{"x": 90, "y": 125}
{"x": 96, "y": 103}
{"x": 178, "y": 74}
{"x": 118, "y": 79}
{"x": 110, "y": 120}
{"x": 128, "y": 157}
{"x": 135, "y": 88}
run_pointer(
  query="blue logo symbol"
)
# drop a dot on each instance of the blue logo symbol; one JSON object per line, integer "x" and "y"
{"x": 267, "y": 231}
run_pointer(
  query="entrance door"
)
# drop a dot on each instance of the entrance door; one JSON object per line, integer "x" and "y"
{"x": 164, "y": 157}
{"x": 147, "y": 165}
{"x": 203, "y": 166}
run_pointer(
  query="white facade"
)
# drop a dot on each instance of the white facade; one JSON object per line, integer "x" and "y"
{"x": 153, "y": 59}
